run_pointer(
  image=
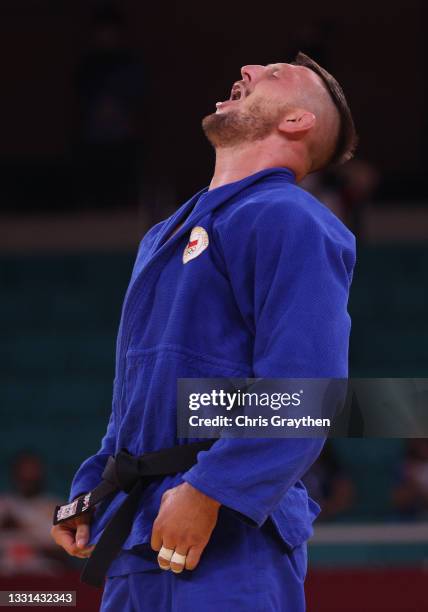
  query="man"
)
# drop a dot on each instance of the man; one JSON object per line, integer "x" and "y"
{"x": 249, "y": 278}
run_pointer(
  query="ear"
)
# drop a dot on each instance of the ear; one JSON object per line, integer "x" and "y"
{"x": 297, "y": 123}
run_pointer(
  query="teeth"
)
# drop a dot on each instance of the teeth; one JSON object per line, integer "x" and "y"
{"x": 218, "y": 104}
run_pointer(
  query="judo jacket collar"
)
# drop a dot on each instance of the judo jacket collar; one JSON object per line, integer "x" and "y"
{"x": 207, "y": 200}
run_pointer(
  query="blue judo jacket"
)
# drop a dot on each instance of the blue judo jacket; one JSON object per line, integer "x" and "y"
{"x": 260, "y": 291}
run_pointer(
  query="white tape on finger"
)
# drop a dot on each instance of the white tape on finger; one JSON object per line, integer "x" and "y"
{"x": 166, "y": 553}
{"x": 178, "y": 559}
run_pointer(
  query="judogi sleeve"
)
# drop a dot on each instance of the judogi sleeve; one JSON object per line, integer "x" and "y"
{"x": 290, "y": 273}
{"x": 88, "y": 476}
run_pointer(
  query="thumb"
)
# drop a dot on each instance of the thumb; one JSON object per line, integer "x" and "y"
{"x": 82, "y": 535}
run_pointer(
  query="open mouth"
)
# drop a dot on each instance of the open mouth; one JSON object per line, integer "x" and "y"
{"x": 237, "y": 93}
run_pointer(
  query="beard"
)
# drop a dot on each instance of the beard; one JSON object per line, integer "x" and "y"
{"x": 236, "y": 127}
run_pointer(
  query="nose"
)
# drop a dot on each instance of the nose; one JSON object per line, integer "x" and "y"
{"x": 251, "y": 72}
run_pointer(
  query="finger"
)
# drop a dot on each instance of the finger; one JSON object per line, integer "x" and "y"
{"x": 164, "y": 556}
{"x": 82, "y": 553}
{"x": 64, "y": 538}
{"x": 79, "y": 552}
{"x": 82, "y": 535}
{"x": 193, "y": 557}
{"x": 165, "y": 552}
{"x": 178, "y": 559}
{"x": 165, "y": 494}
{"x": 156, "y": 539}
{"x": 85, "y": 553}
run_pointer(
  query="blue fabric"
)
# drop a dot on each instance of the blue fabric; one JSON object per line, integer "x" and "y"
{"x": 266, "y": 298}
{"x": 242, "y": 569}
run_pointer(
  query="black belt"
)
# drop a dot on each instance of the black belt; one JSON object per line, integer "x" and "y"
{"x": 132, "y": 474}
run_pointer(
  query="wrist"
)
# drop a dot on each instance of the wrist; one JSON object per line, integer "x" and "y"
{"x": 206, "y": 498}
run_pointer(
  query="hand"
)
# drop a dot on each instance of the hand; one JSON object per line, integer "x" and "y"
{"x": 184, "y": 524}
{"x": 73, "y": 535}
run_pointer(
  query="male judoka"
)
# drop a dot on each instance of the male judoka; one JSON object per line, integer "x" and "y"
{"x": 249, "y": 278}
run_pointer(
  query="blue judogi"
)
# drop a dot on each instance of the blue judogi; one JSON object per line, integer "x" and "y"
{"x": 266, "y": 296}
{"x": 241, "y": 570}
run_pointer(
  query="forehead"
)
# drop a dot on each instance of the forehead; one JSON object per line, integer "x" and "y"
{"x": 301, "y": 76}
{"x": 277, "y": 65}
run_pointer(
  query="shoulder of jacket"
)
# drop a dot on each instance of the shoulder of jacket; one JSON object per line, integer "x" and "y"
{"x": 286, "y": 208}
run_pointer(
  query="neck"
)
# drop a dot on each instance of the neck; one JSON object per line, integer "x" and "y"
{"x": 235, "y": 163}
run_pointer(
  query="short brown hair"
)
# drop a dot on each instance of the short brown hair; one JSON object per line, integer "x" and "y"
{"x": 347, "y": 139}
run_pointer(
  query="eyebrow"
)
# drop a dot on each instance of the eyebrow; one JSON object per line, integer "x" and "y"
{"x": 274, "y": 67}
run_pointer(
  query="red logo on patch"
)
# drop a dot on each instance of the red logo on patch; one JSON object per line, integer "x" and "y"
{"x": 198, "y": 242}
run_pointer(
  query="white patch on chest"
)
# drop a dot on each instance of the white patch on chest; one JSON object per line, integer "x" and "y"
{"x": 198, "y": 242}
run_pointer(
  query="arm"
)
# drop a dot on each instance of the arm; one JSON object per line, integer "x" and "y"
{"x": 89, "y": 474}
{"x": 291, "y": 277}
{"x": 73, "y": 535}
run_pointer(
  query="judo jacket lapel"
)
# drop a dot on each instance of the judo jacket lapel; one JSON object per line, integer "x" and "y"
{"x": 202, "y": 203}
{"x": 139, "y": 292}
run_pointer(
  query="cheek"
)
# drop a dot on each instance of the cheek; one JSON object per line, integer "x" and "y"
{"x": 257, "y": 99}
{"x": 263, "y": 105}
{"x": 268, "y": 95}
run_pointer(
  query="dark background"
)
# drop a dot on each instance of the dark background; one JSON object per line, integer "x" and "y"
{"x": 191, "y": 53}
